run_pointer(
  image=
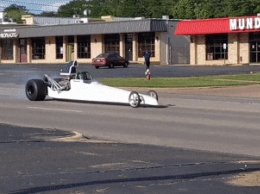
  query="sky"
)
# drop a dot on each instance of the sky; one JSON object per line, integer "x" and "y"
{"x": 35, "y": 6}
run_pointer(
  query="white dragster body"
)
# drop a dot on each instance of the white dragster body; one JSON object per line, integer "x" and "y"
{"x": 93, "y": 91}
{"x": 82, "y": 87}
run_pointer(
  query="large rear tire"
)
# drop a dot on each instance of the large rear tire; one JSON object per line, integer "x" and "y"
{"x": 36, "y": 90}
{"x": 134, "y": 99}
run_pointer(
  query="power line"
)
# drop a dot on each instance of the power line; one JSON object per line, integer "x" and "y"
{"x": 28, "y": 5}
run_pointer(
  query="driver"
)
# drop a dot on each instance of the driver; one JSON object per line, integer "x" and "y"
{"x": 82, "y": 76}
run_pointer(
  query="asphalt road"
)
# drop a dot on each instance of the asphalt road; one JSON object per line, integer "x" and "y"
{"x": 208, "y": 123}
{"x": 191, "y": 144}
{"x": 37, "y": 160}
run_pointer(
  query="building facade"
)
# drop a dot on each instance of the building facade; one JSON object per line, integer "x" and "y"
{"x": 223, "y": 41}
{"x": 84, "y": 40}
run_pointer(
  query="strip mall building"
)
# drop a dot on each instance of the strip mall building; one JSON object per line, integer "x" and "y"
{"x": 59, "y": 40}
{"x": 223, "y": 41}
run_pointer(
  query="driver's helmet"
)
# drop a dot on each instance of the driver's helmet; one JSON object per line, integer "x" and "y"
{"x": 82, "y": 76}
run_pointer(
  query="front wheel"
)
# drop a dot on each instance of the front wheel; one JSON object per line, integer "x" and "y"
{"x": 153, "y": 94}
{"x": 134, "y": 99}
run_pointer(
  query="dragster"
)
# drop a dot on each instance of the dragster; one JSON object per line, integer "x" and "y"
{"x": 81, "y": 86}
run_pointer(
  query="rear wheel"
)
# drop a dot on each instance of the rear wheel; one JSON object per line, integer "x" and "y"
{"x": 134, "y": 99}
{"x": 153, "y": 94}
{"x": 96, "y": 67}
{"x": 36, "y": 90}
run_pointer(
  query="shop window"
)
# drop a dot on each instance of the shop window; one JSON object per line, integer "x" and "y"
{"x": 7, "y": 49}
{"x": 216, "y": 47}
{"x": 38, "y": 48}
{"x": 83, "y": 46}
{"x": 146, "y": 42}
{"x": 59, "y": 47}
{"x": 112, "y": 43}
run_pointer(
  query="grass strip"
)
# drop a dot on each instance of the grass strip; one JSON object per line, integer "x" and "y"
{"x": 176, "y": 82}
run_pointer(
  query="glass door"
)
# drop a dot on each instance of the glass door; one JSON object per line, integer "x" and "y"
{"x": 70, "y": 52}
{"x": 23, "y": 50}
{"x": 129, "y": 47}
{"x": 70, "y": 48}
{"x": 255, "y": 52}
{"x": 254, "y": 48}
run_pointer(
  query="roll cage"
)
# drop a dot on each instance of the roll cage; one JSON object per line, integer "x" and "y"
{"x": 68, "y": 73}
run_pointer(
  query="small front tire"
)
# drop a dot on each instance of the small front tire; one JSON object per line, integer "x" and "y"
{"x": 134, "y": 99}
{"x": 153, "y": 94}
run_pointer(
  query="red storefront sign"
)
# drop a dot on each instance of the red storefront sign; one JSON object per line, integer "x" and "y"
{"x": 218, "y": 26}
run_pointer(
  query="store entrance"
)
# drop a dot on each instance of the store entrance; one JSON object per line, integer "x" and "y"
{"x": 129, "y": 47}
{"x": 70, "y": 52}
{"x": 23, "y": 50}
{"x": 70, "y": 49}
{"x": 254, "y": 48}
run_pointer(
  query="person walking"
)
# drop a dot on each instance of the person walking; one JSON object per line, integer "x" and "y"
{"x": 147, "y": 56}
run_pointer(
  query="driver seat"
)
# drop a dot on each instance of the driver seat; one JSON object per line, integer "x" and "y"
{"x": 70, "y": 69}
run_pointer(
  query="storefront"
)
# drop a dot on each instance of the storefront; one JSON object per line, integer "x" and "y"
{"x": 84, "y": 41}
{"x": 223, "y": 41}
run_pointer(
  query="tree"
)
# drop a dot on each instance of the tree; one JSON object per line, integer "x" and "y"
{"x": 180, "y": 9}
{"x": 14, "y": 12}
{"x": 238, "y": 7}
{"x": 75, "y": 7}
{"x": 192, "y": 9}
{"x": 185, "y": 9}
{"x": 112, "y": 7}
{"x": 131, "y": 8}
{"x": 48, "y": 14}
{"x": 158, "y": 8}
{"x": 256, "y": 6}
{"x": 118, "y": 8}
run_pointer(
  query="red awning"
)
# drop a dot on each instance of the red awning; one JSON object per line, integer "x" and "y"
{"x": 218, "y": 26}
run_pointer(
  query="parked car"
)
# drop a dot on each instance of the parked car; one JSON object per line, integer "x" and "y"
{"x": 109, "y": 60}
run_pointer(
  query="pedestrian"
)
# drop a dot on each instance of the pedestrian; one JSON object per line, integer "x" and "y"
{"x": 147, "y": 56}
